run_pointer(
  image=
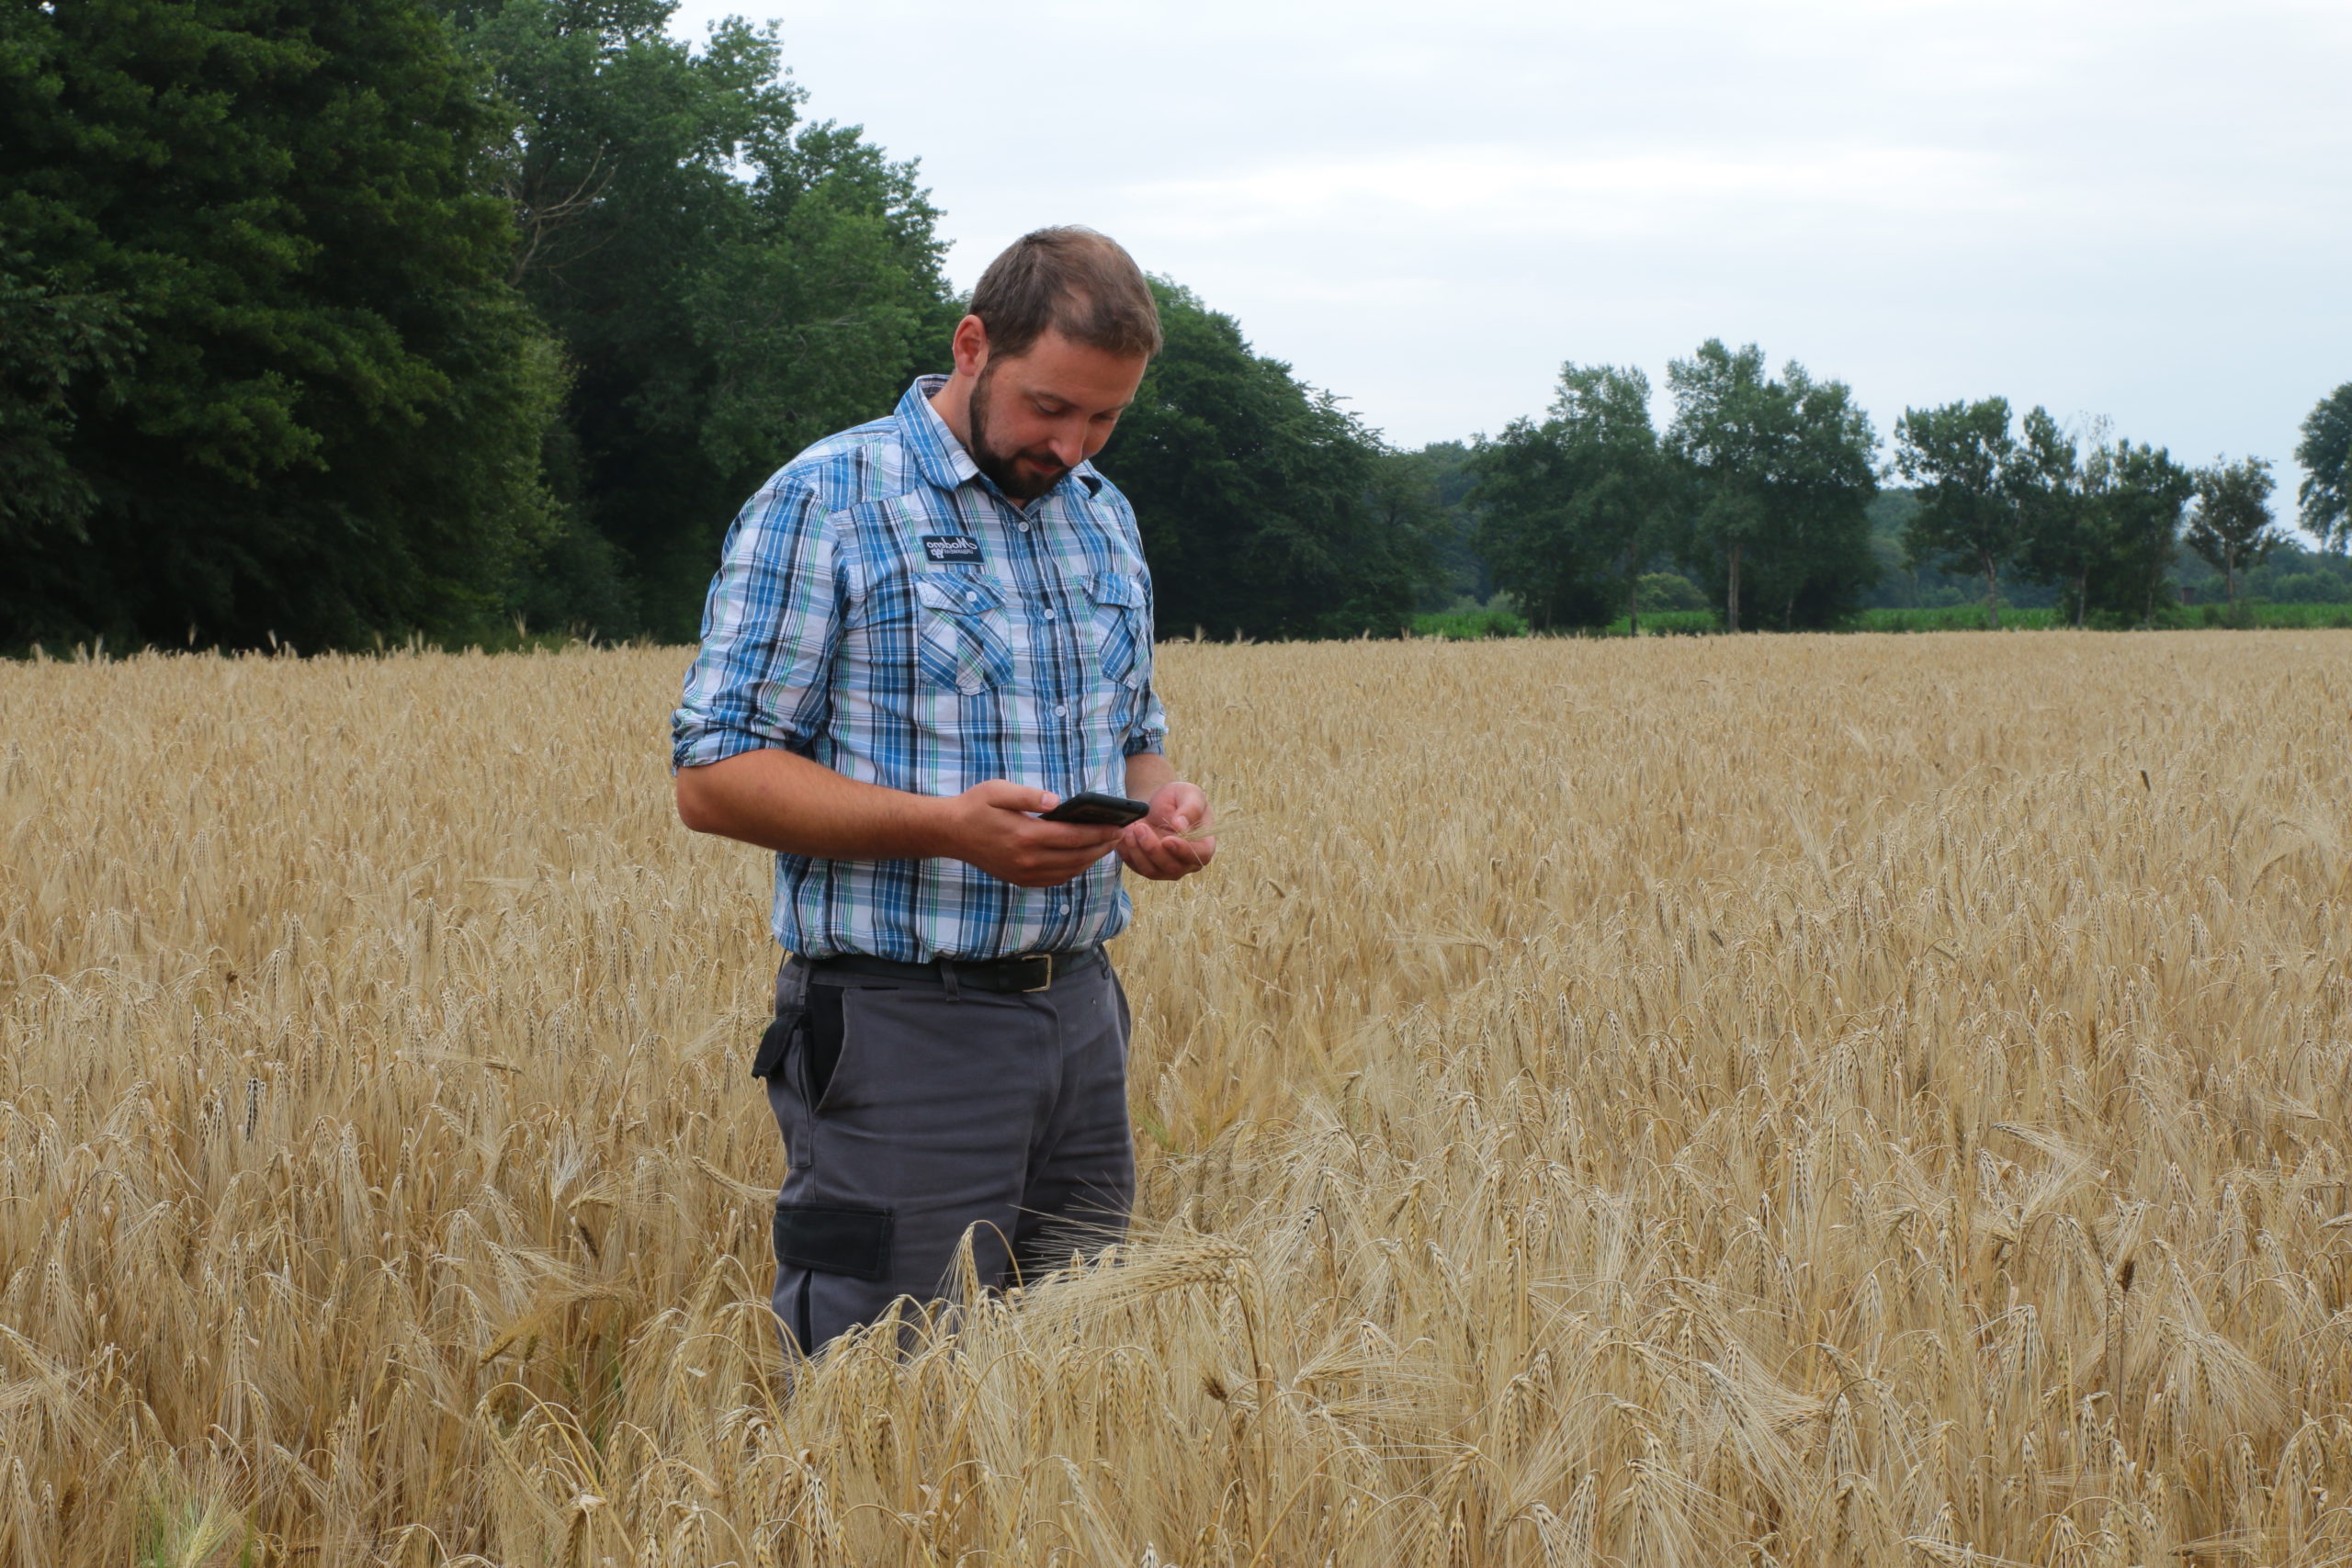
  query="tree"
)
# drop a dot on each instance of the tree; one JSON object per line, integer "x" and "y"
{"x": 1573, "y": 507}
{"x": 1962, "y": 462}
{"x": 1446, "y": 472}
{"x": 2231, "y": 527}
{"x": 1821, "y": 563}
{"x": 280, "y": 383}
{"x": 729, "y": 284}
{"x": 2059, "y": 537}
{"x": 2325, "y": 453}
{"x": 48, "y": 340}
{"x": 1783, "y": 474}
{"x": 2139, "y": 493}
{"x": 1723, "y": 432}
{"x": 1261, "y": 500}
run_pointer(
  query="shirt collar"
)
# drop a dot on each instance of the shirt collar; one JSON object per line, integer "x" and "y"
{"x": 942, "y": 460}
{"x": 938, "y": 455}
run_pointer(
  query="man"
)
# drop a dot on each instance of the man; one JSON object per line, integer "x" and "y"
{"x": 924, "y": 631}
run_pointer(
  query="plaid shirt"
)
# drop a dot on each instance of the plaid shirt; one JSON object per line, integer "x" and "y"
{"x": 882, "y": 609}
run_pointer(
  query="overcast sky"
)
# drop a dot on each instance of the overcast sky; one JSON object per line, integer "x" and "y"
{"x": 2137, "y": 211}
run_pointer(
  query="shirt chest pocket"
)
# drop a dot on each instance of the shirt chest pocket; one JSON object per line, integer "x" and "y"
{"x": 1121, "y": 628}
{"x": 960, "y": 640}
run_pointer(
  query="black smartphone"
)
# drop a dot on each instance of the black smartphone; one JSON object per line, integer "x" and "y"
{"x": 1092, "y": 808}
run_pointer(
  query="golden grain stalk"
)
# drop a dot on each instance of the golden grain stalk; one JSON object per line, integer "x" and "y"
{"x": 1798, "y": 1101}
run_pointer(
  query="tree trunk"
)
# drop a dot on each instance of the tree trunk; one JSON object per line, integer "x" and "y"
{"x": 1632, "y": 606}
{"x": 1731, "y": 600}
{"x": 2230, "y": 577}
{"x": 1992, "y": 589}
{"x": 2082, "y": 596}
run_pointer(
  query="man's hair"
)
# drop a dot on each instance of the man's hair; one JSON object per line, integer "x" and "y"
{"x": 1080, "y": 283}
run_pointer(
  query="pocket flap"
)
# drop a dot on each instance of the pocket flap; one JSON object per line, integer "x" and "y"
{"x": 834, "y": 1239}
{"x": 958, "y": 595}
{"x": 1117, "y": 588}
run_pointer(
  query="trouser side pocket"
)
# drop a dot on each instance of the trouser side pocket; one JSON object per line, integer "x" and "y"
{"x": 834, "y": 1239}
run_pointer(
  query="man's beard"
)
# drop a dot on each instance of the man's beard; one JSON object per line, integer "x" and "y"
{"x": 1003, "y": 467}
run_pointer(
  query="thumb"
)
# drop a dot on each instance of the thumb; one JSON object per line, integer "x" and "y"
{"x": 1006, "y": 795}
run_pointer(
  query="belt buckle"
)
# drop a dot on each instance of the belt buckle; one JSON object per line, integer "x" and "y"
{"x": 1047, "y": 982}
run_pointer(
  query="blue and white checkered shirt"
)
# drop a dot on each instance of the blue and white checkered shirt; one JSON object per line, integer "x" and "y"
{"x": 882, "y": 609}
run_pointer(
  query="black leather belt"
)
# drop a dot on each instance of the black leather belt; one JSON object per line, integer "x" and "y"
{"x": 1030, "y": 972}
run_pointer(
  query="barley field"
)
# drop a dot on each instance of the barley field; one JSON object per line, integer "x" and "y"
{"x": 1873, "y": 1100}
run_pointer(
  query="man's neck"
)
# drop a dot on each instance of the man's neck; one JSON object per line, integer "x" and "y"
{"x": 952, "y": 404}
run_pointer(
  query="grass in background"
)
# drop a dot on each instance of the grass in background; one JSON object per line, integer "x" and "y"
{"x": 1667, "y": 623}
{"x": 2297, "y": 617}
{"x": 1468, "y": 625}
{"x": 1953, "y": 618}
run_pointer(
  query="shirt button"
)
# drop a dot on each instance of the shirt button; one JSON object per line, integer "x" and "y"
{"x": 1061, "y": 710}
{"x": 971, "y": 598}
{"x": 1025, "y": 527}
{"x": 1049, "y": 615}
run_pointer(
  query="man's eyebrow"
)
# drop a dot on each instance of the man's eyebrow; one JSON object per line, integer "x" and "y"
{"x": 1042, "y": 398}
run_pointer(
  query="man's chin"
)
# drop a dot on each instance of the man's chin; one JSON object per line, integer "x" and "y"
{"x": 1024, "y": 482}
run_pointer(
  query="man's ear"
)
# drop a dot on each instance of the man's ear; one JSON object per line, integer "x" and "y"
{"x": 971, "y": 347}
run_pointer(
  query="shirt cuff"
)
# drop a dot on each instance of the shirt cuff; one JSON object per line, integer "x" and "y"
{"x": 1154, "y": 745}
{"x": 698, "y": 746}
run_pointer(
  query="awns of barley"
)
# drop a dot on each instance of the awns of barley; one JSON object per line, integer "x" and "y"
{"x": 1771, "y": 1102}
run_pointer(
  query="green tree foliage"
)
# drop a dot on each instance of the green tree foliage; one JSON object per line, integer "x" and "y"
{"x": 729, "y": 284}
{"x": 2231, "y": 527}
{"x": 48, "y": 340}
{"x": 1962, "y": 465}
{"x": 1782, "y": 473}
{"x": 1573, "y": 508}
{"x": 1444, "y": 475}
{"x": 2138, "y": 494}
{"x": 1266, "y": 508}
{"x": 2325, "y": 453}
{"x": 265, "y": 360}
{"x": 2060, "y": 538}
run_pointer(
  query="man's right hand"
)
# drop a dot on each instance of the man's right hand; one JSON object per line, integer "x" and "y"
{"x": 991, "y": 826}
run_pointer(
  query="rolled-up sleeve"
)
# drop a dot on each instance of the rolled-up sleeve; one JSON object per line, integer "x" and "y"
{"x": 1147, "y": 721}
{"x": 769, "y": 630}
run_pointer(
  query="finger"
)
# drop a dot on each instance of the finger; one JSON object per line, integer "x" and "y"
{"x": 1070, "y": 863}
{"x": 1177, "y": 810}
{"x": 1158, "y": 863}
{"x": 1073, "y": 835}
{"x": 1006, "y": 795}
{"x": 1195, "y": 853}
{"x": 1145, "y": 865}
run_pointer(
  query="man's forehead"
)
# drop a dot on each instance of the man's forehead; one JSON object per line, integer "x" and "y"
{"x": 1055, "y": 366}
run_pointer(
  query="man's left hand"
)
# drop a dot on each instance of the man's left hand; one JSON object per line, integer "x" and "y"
{"x": 1155, "y": 846}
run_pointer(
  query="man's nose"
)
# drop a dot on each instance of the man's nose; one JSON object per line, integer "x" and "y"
{"x": 1069, "y": 445}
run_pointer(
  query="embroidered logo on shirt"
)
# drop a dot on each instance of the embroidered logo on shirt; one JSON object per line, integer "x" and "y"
{"x": 952, "y": 548}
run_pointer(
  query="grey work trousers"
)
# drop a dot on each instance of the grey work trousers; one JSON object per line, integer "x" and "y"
{"x": 913, "y": 1112}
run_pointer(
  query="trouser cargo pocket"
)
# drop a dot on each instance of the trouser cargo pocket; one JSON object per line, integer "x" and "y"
{"x": 834, "y": 1239}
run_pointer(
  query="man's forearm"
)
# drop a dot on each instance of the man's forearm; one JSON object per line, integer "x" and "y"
{"x": 780, "y": 800}
{"x": 1147, "y": 771}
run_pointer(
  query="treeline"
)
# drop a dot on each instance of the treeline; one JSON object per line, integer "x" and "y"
{"x": 329, "y": 319}
{"x": 324, "y": 322}
{"x": 1764, "y": 492}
